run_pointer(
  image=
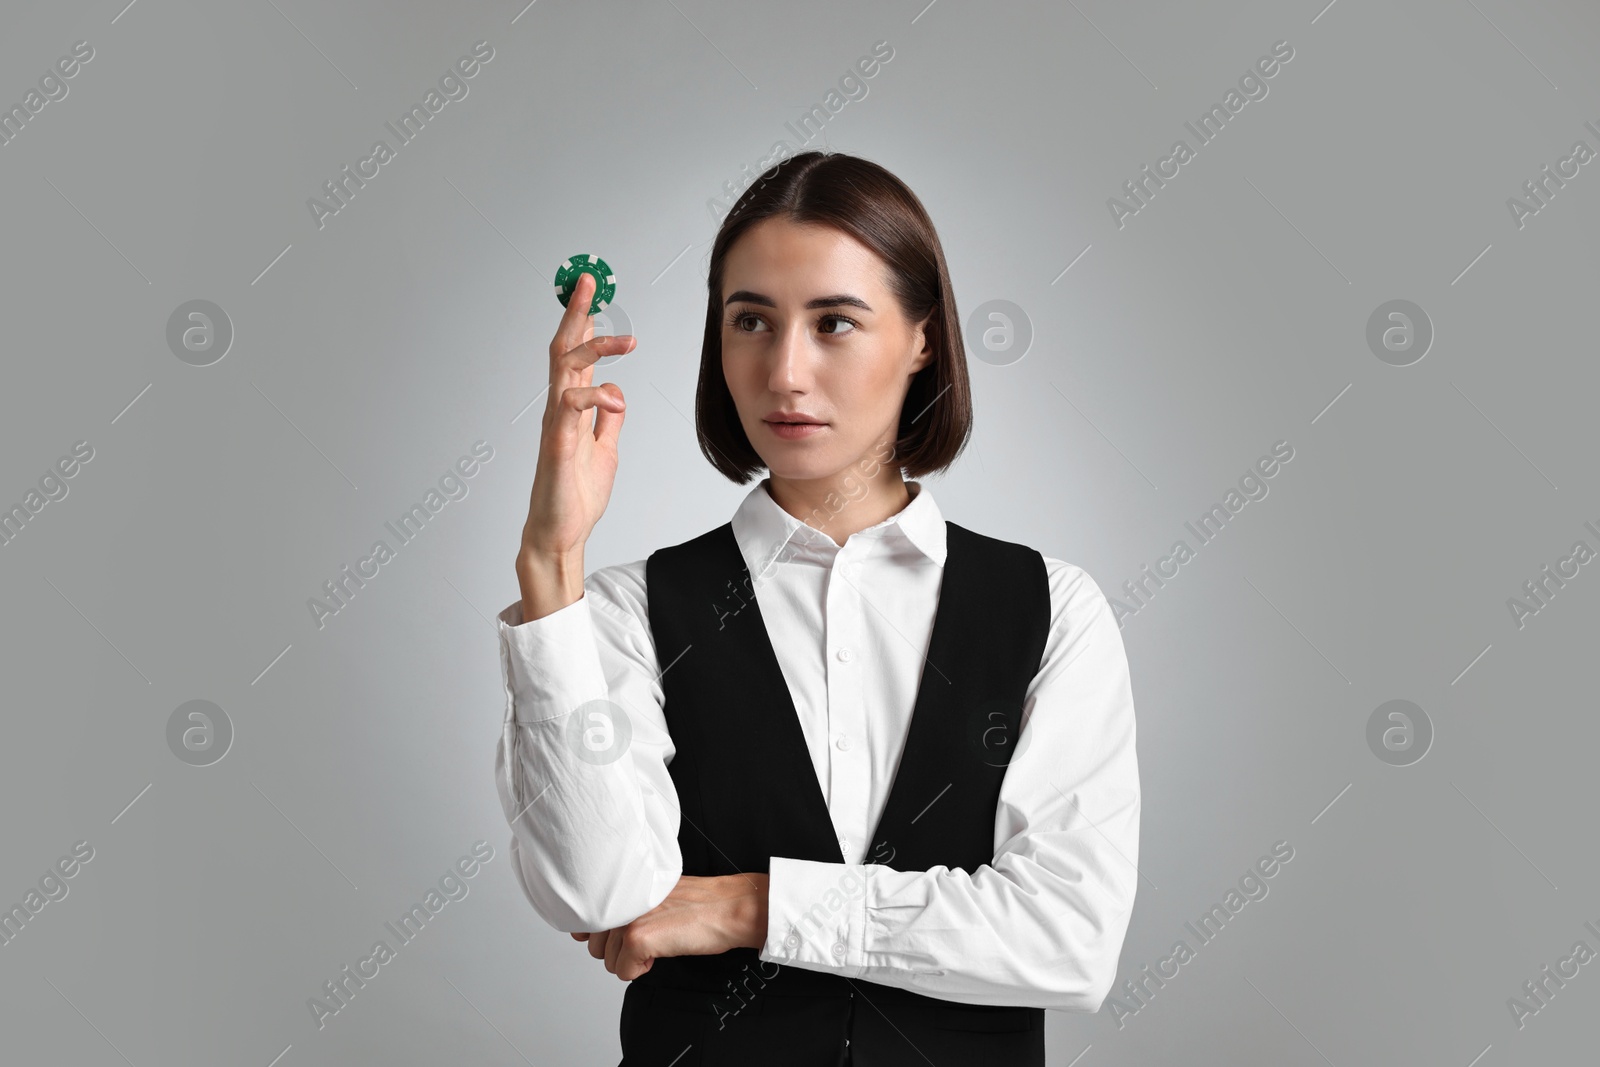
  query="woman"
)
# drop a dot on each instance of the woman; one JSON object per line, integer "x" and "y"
{"x": 852, "y": 784}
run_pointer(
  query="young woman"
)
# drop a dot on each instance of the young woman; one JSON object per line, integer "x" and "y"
{"x": 839, "y": 781}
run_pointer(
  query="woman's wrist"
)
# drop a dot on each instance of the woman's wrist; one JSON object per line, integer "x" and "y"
{"x": 549, "y": 581}
{"x": 755, "y": 921}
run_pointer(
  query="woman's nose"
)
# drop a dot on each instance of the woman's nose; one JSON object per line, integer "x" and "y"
{"x": 791, "y": 363}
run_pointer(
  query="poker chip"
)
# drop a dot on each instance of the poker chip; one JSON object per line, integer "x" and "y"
{"x": 575, "y": 267}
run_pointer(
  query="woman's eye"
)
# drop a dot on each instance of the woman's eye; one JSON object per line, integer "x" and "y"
{"x": 738, "y": 323}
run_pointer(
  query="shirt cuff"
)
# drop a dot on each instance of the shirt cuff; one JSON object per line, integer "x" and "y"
{"x": 551, "y": 665}
{"x": 817, "y": 916}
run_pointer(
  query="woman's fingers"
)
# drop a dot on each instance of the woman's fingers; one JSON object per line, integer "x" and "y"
{"x": 572, "y": 364}
{"x": 613, "y": 950}
{"x": 597, "y": 943}
{"x": 608, "y": 420}
{"x": 572, "y": 358}
{"x": 571, "y": 405}
{"x": 570, "y": 375}
{"x": 574, "y": 324}
{"x": 607, "y": 945}
{"x": 571, "y": 353}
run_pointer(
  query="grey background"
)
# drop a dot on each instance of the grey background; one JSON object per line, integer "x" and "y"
{"x": 1229, "y": 314}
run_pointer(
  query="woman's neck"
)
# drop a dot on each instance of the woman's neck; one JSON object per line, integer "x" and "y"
{"x": 843, "y": 504}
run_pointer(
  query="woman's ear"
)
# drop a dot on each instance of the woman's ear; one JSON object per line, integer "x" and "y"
{"x": 923, "y": 337}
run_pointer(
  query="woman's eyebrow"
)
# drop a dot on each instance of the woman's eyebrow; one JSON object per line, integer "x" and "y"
{"x": 745, "y": 296}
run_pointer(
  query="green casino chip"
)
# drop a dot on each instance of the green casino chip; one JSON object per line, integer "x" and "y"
{"x": 567, "y": 280}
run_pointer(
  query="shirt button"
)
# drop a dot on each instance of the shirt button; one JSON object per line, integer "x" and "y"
{"x": 845, "y": 655}
{"x": 843, "y": 742}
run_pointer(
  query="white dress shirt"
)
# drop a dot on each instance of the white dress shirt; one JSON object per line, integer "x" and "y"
{"x": 595, "y": 845}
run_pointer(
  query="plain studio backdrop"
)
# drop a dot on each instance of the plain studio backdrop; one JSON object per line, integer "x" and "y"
{"x": 1132, "y": 358}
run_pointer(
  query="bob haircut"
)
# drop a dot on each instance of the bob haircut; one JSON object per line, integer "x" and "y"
{"x": 862, "y": 199}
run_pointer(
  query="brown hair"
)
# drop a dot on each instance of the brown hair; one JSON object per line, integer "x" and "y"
{"x": 862, "y": 199}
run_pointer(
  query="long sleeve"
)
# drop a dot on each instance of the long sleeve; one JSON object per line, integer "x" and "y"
{"x": 1042, "y": 925}
{"x": 585, "y": 789}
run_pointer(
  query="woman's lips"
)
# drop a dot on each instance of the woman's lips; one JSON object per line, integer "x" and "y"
{"x": 795, "y": 431}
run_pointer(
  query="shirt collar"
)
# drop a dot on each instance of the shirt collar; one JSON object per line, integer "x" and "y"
{"x": 766, "y": 533}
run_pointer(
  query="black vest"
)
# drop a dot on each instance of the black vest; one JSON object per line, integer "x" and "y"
{"x": 748, "y": 791}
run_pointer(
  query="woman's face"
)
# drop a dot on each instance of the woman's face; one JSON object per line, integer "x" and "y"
{"x": 809, "y": 327}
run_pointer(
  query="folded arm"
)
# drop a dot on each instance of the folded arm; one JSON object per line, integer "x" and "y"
{"x": 581, "y": 766}
{"x": 1042, "y": 925}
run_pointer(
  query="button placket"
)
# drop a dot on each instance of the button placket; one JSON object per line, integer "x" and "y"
{"x": 851, "y": 772}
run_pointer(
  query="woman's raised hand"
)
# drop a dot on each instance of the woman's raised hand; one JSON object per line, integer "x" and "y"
{"x": 577, "y": 462}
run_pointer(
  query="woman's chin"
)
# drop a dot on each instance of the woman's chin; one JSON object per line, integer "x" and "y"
{"x": 800, "y": 468}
